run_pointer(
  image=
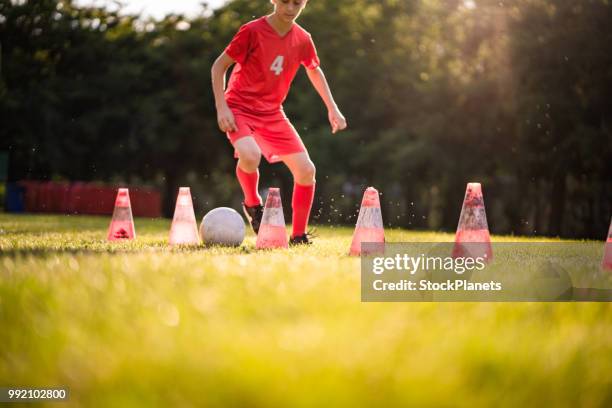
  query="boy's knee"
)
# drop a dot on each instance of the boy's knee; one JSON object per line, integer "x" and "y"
{"x": 250, "y": 159}
{"x": 307, "y": 174}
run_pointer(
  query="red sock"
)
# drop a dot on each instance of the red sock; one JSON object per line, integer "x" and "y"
{"x": 249, "y": 182}
{"x": 301, "y": 204}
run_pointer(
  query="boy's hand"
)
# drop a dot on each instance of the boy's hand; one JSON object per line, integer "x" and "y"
{"x": 225, "y": 120}
{"x": 336, "y": 120}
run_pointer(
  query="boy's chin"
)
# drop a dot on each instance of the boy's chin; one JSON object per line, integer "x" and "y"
{"x": 288, "y": 19}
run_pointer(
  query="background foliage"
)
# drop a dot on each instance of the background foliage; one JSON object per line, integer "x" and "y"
{"x": 515, "y": 94}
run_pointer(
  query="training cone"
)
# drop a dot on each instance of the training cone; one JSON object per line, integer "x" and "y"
{"x": 472, "y": 238}
{"x": 184, "y": 229}
{"x": 606, "y": 263}
{"x": 369, "y": 226}
{"x": 122, "y": 223}
{"x": 272, "y": 232}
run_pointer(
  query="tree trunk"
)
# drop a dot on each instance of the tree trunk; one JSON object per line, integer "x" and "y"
{"x": 170, "y": 194}
{"x": 557, "y": 208}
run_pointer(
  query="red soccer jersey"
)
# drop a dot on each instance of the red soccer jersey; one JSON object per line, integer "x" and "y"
{"x": 266, "y": 64}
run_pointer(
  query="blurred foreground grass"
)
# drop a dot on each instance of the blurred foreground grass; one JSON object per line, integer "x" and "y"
{"x": 140, "y": 324}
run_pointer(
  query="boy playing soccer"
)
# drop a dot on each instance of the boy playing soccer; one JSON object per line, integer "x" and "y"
{"x": 268, "y": 52}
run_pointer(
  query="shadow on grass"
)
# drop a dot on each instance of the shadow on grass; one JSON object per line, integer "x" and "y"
{"x": 111, "y": 250}
{"x": 589, "y": 295}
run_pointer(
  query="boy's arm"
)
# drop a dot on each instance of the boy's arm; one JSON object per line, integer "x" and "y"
{"x": 336, "y": 119}
{"x": 225, "y": 117}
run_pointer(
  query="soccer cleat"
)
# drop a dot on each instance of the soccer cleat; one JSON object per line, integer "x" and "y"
{"x": 300, "y": 240}
{"x": 304, "y": 239}
{"x": 253, "y": 215}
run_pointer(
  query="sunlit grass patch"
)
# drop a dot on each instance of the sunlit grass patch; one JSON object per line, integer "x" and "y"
{"x": 142, "y": 324}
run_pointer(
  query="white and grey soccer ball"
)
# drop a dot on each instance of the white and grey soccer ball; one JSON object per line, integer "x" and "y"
{"x": 222, "y": 226}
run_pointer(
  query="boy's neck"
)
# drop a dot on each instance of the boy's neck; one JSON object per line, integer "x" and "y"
{"x": 281, "y": 27}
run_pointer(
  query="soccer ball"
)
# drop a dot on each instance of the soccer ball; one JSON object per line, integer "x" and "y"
{"x": 222, "y": 226}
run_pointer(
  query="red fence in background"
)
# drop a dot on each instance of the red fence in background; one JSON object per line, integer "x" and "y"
{"x": 86, "y": 198}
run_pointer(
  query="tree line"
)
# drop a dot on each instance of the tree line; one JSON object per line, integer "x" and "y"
{"x": 514, "y": 94}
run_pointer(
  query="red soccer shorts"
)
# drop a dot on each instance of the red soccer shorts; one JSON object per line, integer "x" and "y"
{"x": 273, "y": 133}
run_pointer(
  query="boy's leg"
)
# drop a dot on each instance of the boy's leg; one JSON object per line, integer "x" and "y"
{"x": 247, "y": 169}
{"x": 303, "y": 171}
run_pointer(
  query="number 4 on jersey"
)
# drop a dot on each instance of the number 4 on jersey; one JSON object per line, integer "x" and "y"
{"x": 277, "y": 65}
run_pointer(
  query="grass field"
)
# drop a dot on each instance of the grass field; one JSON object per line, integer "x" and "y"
{"x": 140, "y": 324}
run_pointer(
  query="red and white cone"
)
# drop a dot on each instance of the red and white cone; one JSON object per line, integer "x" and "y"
{"x": 369, "y": 226}
{"x": 606, "y": 262}
{"x": 122, "y": 223}
{"x": 272, "y": 232}
{"x": 473, "y": 239}
{"x": 184, "y": 229}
